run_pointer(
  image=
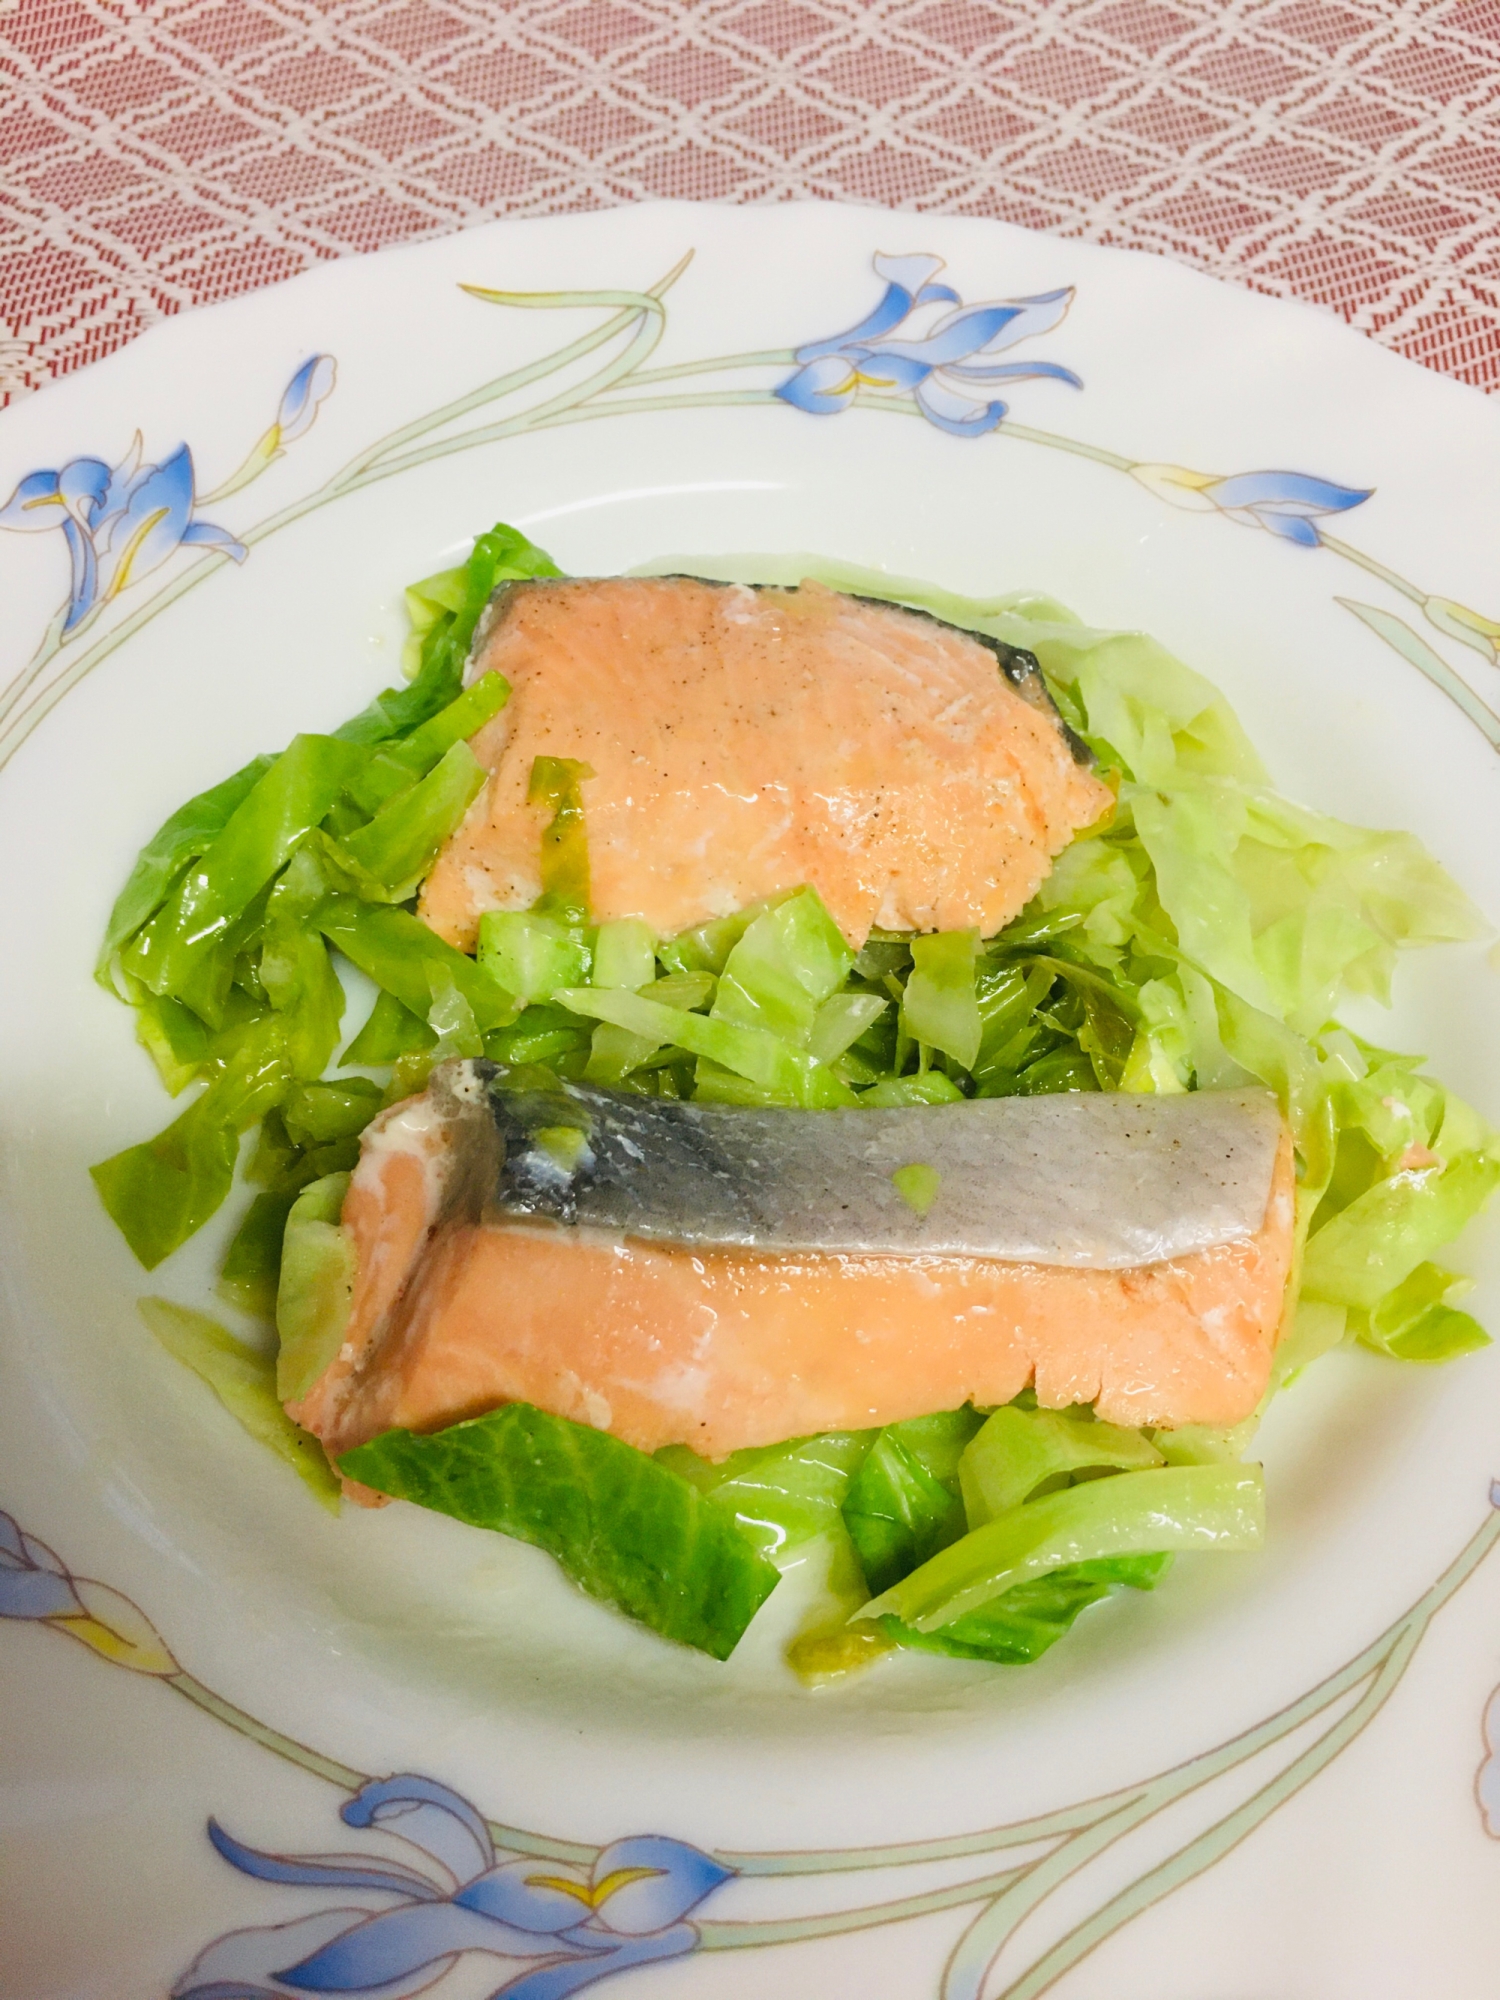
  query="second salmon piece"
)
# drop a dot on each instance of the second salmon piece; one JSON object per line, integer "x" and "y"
{"x": 747, "y": 741}
{"x": 480, "y": 1277}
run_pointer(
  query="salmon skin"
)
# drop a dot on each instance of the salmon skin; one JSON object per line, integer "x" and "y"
{"x": 1102, "y": 1180}
{"x": 471, "y": 1291}
{"x": 745, "y": 741}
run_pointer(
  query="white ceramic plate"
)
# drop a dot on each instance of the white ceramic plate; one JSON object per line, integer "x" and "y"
{"x": 238, "y": 1654}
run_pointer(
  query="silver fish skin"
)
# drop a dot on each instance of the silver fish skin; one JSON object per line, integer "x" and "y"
{"x": 1095, "y": 1180}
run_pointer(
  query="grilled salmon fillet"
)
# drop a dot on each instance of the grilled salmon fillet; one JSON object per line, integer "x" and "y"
{"x": 747, "y": 741}
{"x": 457, "y": 1309}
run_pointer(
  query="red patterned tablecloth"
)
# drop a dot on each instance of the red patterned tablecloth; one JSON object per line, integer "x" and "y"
{"x": 157, "y": 154}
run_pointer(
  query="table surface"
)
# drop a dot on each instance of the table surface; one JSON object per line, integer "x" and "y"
{"x": 159, "y": 154}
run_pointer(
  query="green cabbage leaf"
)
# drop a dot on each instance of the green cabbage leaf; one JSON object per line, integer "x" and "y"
{"x": 625, "y": 1527}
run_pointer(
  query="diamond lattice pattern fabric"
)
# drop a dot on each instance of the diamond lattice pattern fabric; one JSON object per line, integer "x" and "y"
{"x": 157, "y": 154}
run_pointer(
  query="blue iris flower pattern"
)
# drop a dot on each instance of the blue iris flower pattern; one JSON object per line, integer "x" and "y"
{"x": 949, "y": 369}
{"x": 33, "y": 1582}
{"x": 569, "y": 1926}
{"x": 1286, "y": 504}
{"x": 311, "y": 384}
{"x": 121, "y": 522}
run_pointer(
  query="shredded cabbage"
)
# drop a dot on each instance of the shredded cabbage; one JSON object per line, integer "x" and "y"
{"x": 244, "y": 1381}
{"x": 314, "y": 1287}
{"x": 1020, "y": 1453}
{"x": 624, "y": 1526}
{"x": 1217, "y": 1507}
{"x": 1206, "y": 932}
